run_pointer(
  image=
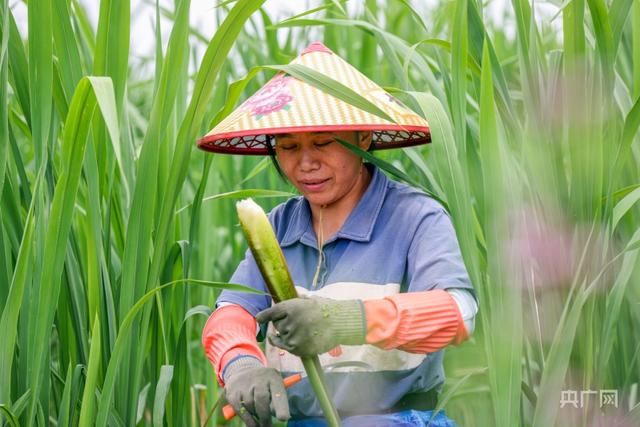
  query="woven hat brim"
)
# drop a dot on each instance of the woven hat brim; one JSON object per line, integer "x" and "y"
{"x": 286, "y": 104}
{"x": 251, "y": 143}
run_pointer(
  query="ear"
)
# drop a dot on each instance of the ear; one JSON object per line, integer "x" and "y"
{"x": 365, "y": 139}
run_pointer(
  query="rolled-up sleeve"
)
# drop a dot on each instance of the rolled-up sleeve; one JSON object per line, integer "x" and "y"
{"x": 434, "y": 260}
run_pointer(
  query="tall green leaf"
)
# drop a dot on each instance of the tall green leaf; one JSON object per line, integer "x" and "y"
{"x": 40, "y": 74}
{"x": 191, "y": 124}
{"x": 75, "y": 134}
{"x": 557, "y": 362}
{"x": 87, "y": 409}
{"x": 4, "y": 88}
{"x": 124, "y": 336}
{"x": 138, "y": 241}
{"x": 11, "y": 310}
{"x": 18, "y": 69}
{"x": 66, "y": 47}
{"x": 162, "y": 391}
{"x": 458, "y": 102}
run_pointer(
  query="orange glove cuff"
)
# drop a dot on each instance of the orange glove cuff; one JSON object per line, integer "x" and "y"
{"x": 417, "y": 322}
{"x": 230, "y": 332}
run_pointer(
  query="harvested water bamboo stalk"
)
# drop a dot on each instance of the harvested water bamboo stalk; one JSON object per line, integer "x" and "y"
{"x": 271, "y": 262}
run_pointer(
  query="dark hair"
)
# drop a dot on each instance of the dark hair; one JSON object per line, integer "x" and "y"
{"x": 270, "y": 142}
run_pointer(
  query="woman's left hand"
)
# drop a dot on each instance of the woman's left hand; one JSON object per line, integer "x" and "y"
{"x": 311, "y": 326}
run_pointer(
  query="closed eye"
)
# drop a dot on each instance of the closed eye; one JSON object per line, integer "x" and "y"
{"x": 324, "y": 144}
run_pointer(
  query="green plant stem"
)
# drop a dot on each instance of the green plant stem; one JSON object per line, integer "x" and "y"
{"x": 316, "y": 378}
{"x": 273, "y": 267}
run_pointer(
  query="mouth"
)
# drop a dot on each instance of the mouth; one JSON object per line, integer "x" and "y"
{"x": 313, "y": 184}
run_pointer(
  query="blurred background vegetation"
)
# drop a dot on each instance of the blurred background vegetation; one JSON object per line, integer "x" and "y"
{"x": 115, "y": 231}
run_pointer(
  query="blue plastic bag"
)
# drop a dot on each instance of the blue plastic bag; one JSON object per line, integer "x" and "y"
{"x": 410, "y": 418}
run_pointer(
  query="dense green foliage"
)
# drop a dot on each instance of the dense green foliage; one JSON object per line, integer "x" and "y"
{"x": 116, "y": 232}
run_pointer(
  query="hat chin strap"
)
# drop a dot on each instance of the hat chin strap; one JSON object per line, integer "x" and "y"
{"x": 316, "y": 275}
{"x": 314, "y": 283}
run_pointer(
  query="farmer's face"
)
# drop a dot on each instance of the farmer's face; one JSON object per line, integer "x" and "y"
{"x": 323, "y": 170}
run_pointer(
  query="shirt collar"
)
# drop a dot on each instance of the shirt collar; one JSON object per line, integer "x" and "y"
{"x": 359, "y": 224}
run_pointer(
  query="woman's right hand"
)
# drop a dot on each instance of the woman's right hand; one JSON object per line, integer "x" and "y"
{"x": 255, "y": 391}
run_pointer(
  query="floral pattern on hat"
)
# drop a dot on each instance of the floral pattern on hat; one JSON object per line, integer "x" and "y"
{"x": 274, "y": 96}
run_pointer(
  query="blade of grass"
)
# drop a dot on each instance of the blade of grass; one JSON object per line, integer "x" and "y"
{"x": 257, "y": 170}
{"x": 72, "y": 385}
{"x": 162, "y": 391}
{"x": 212, "y": 62}
{"x": 242, "y": 194}
{"x": 110, "y": 59}
{"x": 603, "y": 32}
{"x": 635, "y": 43}
{"x": 458, "y": 101}
{"x": 556, "y": 364}
{"x": 180, "y": 387}
{"x": 4, "y": 89}
{"x": 400, "y": 45}
{"x": 11, "y": 310}
{"x": 506, "y": 107}
{"x": 418, "y": 160}
{"x": 10, "y": 416}
{"x": 142, "y": 402}
{"x": 445, "y": 397}
{"x": 138, "y": 236}
{"x": 505, "y": 369}
{"x": 619, "y": 12}
{"x": 21, "y": 403}
{"x": 138, "y": 240}
{"x": 112, "y": 45}
{"x": 388, "y": 167}
{"x": 73, "y": 148}
{"x": 124, "y": 335}
{"x": 40, "y": 74}
{"x": 615, "y": 299}
{"x": 88, "y": 406}
{"x": 332, "y": 87}
{"x": 19, "y": 69}
{"x": 631, "y": 125}
{"x": 66, "y": 47}
{"x": 623, "y": 206}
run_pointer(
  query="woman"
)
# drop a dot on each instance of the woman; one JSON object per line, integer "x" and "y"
{"x": 378, "y": 264}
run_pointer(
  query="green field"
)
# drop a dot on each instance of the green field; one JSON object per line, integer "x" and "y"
{"x": 116, "y": 232}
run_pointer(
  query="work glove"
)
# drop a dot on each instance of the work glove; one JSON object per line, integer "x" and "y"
{"x": 310, "y": 326}
{"x": 255, "y": 391}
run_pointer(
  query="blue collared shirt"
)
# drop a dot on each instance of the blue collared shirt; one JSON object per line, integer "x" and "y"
{"x": 397, "y": 239}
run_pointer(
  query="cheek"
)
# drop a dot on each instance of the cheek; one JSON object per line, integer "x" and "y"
{"x": 286, "y": 163}
{"x": 349, "y": 170}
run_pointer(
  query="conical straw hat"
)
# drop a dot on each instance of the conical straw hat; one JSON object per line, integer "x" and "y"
{"x": 286, "y": 104}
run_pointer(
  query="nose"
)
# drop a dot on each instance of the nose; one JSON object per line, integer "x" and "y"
{"x": 308, "y": 160}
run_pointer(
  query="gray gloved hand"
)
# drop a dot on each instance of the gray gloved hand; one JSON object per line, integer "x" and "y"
{"x": 310, "y": 326}
{"x": 254, "y": 391}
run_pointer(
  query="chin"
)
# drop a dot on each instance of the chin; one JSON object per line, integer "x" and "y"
{"x": 318, "y": 201}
